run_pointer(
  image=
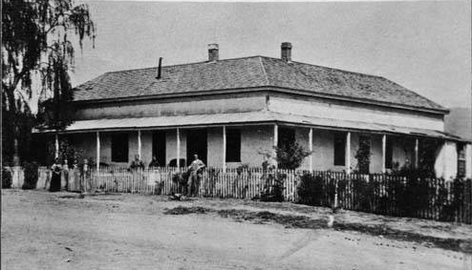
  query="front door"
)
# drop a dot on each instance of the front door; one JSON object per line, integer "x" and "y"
{"x": 197, "y": 143}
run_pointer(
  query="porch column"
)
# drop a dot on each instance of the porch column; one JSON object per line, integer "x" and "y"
{"x": 416, "y": 152}
{"x": 139, "y": 144}
{"x": 384, "y": 155}
{"x": 224, "y": 148}
{"x": 178, "y": 147}
{"x": 310, "y": 147}
{"x": 56, "y": 142}
{"x": 98, "y": 150}
{"x": 276, "y": 142}
{"x": 348, "y": 152}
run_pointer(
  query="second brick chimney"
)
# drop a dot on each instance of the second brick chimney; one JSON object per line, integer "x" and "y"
{"x": 286, "y": 51}
{"x": 213, "y": 52}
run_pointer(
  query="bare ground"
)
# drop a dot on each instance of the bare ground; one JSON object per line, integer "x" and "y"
{"x": 42, "y": 230}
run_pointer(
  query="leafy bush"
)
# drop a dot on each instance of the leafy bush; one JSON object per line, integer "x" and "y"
{"x": 31, "y": 175}
{"x": 310, "y": 189}
{"x": 364, "y": 191}
{"x": 6, "y": 178}
{"x": 67, "y": 151}
{"x": 273, "y": 188}
{"x": 291, "y": 156}
{"x": 363, "y": 154}
{"x": 181, "y": 179}
{"x": 318, "y": 189}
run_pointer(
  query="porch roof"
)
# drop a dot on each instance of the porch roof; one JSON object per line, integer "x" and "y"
{"x": 242, "y": 118}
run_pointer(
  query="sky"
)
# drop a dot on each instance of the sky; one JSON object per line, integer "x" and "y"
{"x": 424, "y": 45}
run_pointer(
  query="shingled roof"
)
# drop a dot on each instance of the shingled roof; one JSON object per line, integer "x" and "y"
{"x": 251, "y": 72}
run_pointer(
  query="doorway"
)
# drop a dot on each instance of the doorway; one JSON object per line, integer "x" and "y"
{"x": 159, "y": 146}
{"x": 197, "y": 143}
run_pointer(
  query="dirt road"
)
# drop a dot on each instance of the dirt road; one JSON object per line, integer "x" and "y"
{"x": 41, "y": 230}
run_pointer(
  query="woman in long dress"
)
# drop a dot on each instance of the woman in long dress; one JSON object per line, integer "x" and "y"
{"x": 56, "y": 170}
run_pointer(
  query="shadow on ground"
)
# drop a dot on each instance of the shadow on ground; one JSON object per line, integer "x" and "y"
{"x": 304, "y": 222}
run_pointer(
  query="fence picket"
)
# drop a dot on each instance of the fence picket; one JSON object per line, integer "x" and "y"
{"x": 448, "y": 200}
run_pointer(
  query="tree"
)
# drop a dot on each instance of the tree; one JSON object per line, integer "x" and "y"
{"x": 37, "y": 56}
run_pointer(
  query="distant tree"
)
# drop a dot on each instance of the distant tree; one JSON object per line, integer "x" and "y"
{"x": 37, "y": 56}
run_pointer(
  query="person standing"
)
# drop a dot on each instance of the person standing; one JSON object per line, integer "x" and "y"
{"x": 195, "y": 174}
{"x": 65, "y": 175}
{"x": 136, "y": 167}
{"x": 136, "y": 164}
{"x": 56, "y": 171}
{"x": 154, "y": 162}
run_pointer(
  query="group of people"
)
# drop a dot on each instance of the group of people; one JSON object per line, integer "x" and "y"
{"x": 137, "y": 163}
{"x": 60, "y": 178}
{"x": 195, "y": 170}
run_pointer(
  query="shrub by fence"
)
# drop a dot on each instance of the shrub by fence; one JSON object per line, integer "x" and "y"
{"x": 6, "y": 178}
{"x": 30, "y": 175}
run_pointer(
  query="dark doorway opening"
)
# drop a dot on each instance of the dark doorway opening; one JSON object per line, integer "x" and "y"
{"x": 197, "y": 143}
{"x": 159, "y": 146}
{"x": 286, "y": 137}
{"x": 119, "y": 147}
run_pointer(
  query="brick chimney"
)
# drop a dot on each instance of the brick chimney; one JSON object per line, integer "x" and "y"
{"x": 286, "y": 51}
{"x": 213, "y": 55}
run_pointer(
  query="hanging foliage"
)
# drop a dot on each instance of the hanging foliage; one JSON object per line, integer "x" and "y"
{"x": 37, "y": 56}
{"x": 363, "y": 154}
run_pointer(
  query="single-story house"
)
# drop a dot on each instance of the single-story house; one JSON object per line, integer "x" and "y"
{"x": 230, "y": 111}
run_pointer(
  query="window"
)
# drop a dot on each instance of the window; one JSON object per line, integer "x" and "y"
{"x": 389, "y": 153}
{"x": 233, "y": 145}
{"x": 339, "y": 150}
{"x": 460, "y": 160}
{"x": 119, "y": 147}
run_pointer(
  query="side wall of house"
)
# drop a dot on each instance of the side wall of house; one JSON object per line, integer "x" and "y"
{"x": 228, "y": 104}
{"x": 355, "y": 112}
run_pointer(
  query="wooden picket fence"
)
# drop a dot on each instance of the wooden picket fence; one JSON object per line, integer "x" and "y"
{"x": 412, "y": 196}
{"x": 409, "y": 196}
{"x": 233, "y": 183}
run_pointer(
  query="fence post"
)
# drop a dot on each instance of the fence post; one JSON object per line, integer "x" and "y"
{"x": 335, "y": 192}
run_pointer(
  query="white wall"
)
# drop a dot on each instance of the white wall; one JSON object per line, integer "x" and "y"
{"x": 171, "y": 145}
{"x": 376, "y": 155}
{"x": 355, "y": 113}
{"x": 446, "y": 161}
{"x": 323, "y": 151}
{"x": 160, "y": 108}
{"x": 255, "y": 139}
{"x": 215, "y": 156}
